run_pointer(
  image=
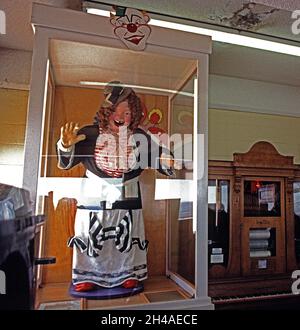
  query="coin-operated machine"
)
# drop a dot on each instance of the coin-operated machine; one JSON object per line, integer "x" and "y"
{"x": 19, "y": 248}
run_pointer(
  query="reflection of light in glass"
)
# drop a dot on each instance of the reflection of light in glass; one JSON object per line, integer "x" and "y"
{"x": 224, "y": 197}
{"x": 212, "y": 195}
{"x": 297, "y": 198}
{"x": 87, "y": 191}
{"x": 11, "y": 175}
{"x": 174, "y": 189}
{"x": 197, "y": 157}
{"x": 154, "y": 89}
{"x": 231, "y": 38}
{"x": 99, "y": 12}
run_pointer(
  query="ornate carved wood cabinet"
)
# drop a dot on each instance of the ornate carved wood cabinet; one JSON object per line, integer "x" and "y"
{"x": 253, "y": 233}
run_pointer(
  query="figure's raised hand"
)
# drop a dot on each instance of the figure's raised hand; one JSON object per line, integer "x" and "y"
{"x": 68, "y": 134}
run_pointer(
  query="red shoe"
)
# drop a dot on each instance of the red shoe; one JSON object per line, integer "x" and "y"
{"x": 82, "y": 287}
{"x": 130, "y": 284}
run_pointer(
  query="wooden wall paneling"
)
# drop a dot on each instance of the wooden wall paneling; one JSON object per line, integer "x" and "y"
{"x": 154, "y": 213}
{"x": 186, "y": 244}
{"x": 13, "y": 111}
{"x": 181, "y": 239}
{"x": 59, "y": 228}
{"x": 173, "y": 235}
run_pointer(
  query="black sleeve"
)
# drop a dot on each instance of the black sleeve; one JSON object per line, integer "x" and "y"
{"x": 67, "y": 159}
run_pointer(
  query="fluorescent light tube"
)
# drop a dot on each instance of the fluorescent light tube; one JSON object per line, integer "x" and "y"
{"x": 220, "y": 36}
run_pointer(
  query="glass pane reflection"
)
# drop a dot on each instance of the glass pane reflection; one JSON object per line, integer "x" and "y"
{"x": 262, "y": 199}
{"x": 218, "y": 221}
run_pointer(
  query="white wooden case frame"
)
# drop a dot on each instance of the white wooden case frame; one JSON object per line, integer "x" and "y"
{"x": 63, "y": 24}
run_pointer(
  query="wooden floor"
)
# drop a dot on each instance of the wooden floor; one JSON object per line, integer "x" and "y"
{"x": 56, "y": 296}
{"x": 159, "y": 288}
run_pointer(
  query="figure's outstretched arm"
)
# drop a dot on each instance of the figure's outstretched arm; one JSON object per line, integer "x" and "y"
{"x": 66, "y": 149}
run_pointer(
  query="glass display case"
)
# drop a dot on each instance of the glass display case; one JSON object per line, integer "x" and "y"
{"x": 150, "y": 200}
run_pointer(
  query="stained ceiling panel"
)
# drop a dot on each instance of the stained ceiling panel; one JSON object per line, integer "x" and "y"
{"x": 250, "y": 16}
{"x": 266, "y": 17}
{"x": 290, "y": 5}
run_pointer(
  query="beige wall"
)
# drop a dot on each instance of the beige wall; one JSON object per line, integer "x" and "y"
{"x": 15, "y": 68}
{"x": 234, "y": 131}
{"x": 13, "y": 111}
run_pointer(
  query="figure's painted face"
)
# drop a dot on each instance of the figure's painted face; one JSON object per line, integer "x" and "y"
{"x": 121, "y": 117}
{"x": 132, "y": 28}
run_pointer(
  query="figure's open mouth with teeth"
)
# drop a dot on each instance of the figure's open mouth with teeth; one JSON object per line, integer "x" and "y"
{"x": 119, "y": 123}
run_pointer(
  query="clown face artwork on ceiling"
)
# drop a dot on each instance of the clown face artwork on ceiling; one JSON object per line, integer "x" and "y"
{"x": 131, "y": 27}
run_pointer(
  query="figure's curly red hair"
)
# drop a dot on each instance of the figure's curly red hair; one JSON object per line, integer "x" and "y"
{"x": 135, "y": 105}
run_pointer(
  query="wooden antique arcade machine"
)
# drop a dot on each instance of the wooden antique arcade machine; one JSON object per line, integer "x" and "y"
{"x": 253, "y": 225}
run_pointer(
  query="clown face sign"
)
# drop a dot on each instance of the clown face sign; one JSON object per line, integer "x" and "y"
{"x": 131, "y": 27}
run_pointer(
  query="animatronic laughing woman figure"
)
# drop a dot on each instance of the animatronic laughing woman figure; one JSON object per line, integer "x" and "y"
{"x": 109, "y": 242}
